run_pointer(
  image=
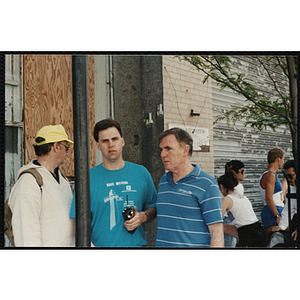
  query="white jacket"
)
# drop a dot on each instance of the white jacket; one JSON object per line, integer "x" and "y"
{"x": 41, "y": 218}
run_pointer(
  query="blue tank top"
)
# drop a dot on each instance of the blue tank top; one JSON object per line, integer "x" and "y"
{"x": 277, "y": 194}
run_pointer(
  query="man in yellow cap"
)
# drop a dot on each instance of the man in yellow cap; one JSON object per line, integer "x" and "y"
{"x": 40, "y": 214}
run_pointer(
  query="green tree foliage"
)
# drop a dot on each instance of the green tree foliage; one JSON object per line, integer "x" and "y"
{"x": 261, "y": 110}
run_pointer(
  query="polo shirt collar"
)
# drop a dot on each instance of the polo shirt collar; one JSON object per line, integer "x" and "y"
{"x": 194, "y": 173}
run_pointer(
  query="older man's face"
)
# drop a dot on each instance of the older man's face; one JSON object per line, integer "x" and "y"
{"x": 173, "y": 154}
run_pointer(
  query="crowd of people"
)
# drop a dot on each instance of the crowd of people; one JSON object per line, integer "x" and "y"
{"x": 192, "y": 208}
{"x": 241, "y": 226}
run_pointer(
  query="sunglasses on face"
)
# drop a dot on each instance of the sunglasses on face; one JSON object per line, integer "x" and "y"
{"x": 66, "y": 146}
{"x": 290, "y": 176}
{"x": 242, "y": 172}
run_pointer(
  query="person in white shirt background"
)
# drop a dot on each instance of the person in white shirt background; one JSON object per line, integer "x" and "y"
{"x": 245, "y": 225}
{"x": 238, "y": 167}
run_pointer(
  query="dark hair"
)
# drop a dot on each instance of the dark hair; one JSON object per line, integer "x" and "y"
{"x": 234, "y": 165}
{"x": 229, "y": 180}
{"x": 181, "y": 136}
{"x": 104, "y": 124}
{"x": 42, "y": 149}
{"x": 289, "y": 164}
{"x": 274, "y": 153}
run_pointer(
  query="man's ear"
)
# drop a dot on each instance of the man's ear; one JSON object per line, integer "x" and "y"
{"x": 98, "y": 146}
{"x": 55, "y": 147}
{"x": 186, "y": 150}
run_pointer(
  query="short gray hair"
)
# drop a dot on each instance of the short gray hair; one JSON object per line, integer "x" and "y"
{"x": 181, "y": 136}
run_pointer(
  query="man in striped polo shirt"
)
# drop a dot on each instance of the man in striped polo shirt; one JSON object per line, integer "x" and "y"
{"x": 189, "y": 208}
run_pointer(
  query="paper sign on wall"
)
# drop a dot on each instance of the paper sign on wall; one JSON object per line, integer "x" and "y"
{"x": 199, "y": 135}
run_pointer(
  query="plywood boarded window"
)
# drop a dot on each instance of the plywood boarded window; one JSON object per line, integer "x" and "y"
{"x": 47, "y": 82}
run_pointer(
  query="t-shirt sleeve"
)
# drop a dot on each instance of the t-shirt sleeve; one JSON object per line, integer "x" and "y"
{"x": 151, "y": 196}
{"x": 211, "y": 205}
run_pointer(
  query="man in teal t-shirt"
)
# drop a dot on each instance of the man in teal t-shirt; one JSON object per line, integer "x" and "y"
{"x": 114, "y": 184}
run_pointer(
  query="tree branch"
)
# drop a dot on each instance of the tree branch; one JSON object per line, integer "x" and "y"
{"x": 275, "y": 86}
{"x": 282, "y": 67}
{"x": 239, "y": 89}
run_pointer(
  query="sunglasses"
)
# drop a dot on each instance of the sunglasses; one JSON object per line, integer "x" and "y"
{"x": 290, "y": 176}
{"x": 242, "y": 172}
{"x": 66, "y": 146}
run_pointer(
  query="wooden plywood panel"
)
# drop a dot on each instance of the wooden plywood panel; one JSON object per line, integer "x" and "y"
{"x": 48, "y": 101}
{"x": 91, "y": 95}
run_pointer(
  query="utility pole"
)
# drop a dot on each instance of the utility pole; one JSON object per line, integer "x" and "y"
{"x": 81, "y": 151}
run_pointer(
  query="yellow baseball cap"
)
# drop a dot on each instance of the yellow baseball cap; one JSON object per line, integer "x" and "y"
{"x": 52, "y": 134}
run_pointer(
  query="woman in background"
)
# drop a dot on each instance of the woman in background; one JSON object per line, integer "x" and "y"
{"x": 246, "y": 227}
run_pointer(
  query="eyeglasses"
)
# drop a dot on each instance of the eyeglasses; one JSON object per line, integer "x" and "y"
{"x": 66, "y": 146}
{"x": 290, "y": 176}
{"x": 242, "y": 172}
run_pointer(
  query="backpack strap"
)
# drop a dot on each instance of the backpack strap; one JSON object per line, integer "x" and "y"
{"x": 35, "y": 173}
{"x": 7, "y": 211}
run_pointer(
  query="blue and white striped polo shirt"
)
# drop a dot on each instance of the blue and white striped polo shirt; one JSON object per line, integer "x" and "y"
{"x": 186, "y": 208}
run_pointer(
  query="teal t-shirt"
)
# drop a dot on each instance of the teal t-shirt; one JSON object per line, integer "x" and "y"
{"x": 110, "y": 190}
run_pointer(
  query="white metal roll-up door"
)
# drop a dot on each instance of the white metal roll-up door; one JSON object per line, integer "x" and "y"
{"x": 244, "y": 143}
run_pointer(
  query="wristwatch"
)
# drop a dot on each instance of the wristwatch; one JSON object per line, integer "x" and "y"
{"x": 146, "y": 216}
{"x": 276, "y": 216}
